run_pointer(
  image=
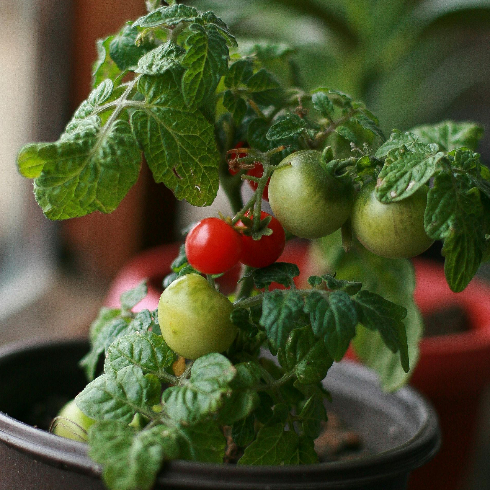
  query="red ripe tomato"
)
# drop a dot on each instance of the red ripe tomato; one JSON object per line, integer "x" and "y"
{"x": 256, "y": 171}
{"x": 213, "y": 246}
{"x": 263, "y": 252}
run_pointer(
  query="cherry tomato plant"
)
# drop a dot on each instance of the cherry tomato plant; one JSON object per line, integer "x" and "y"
{"x": 189, "y": 379}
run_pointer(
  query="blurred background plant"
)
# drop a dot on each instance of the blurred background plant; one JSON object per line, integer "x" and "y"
{"x": 410, "y": 61}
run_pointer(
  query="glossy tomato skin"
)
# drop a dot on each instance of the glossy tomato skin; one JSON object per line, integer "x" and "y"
{"x": 394, "y": 230}
{"x": 306, "y": 199}
{"x": 195, "y": 318}
{"x": 213, "y": 246}
{"x": 264, "y": 252}
{"x": 72, "y": 423}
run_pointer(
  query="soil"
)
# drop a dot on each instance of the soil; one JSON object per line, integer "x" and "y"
{"x": 451, "y": 319}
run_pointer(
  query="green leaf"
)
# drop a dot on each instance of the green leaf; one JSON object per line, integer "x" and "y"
{"x": 312, "y": 415}
{"x": 235, "y": 104}
{"x": 305, "y": 452}
{"x": 450, "y": 135}
{"x": 281, "y": 311}
{"x": 377, "y": 313}
{"x": 454, "y": 214}
{"x": 305, "y": 356}
{"x": 119, "y": 396}
{"x": 408, "y": 170}
{"x": 202, "y": 442}
{"x": 239, "y": 73}
{"x": 129, "y": 299}
{"x": 333, "y": 318}
{"x": 369, "y": 124}
{"x": 206, "y": 61}
{"x": 212, "y": 20}
{"x": 179, "y": 143}
{"x": 89, "y": 169}
{"x": 168, "y": 16}
{"x": 100, "y": 94}
{"x": 109, "y": 328}
{"x": 279, "y": 272}
{"x": 165, "y": 57}
{"x": 323, "y": 104}
{"x": 105, "y": 67}
{"x": 397, "y": 141}
{"x": 130, "y": 459}
{"x": 147, "y": 350}
{"x": 273, "y": 446}
{"x": 286, "y": 127}
{"x": 264, "y": 87}
{"x": 124, "y": 49}
{"x": 243, "y": 431}
{"x": 204, "y": 392}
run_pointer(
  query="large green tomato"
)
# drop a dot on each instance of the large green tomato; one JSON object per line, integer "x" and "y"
{"x": 195, "y": 318}
{"x": 394, "y": 230}
{"x": 306, "y": 199}
{"x": 72, "y": 423}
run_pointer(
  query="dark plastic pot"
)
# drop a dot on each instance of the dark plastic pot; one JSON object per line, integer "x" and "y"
{"x": 399, "y": 431}
{"x": 452, "y": 372}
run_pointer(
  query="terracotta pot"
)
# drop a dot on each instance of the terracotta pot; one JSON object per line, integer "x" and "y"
{"x": 452, "y": 372}
{"x": 399, "y": 432}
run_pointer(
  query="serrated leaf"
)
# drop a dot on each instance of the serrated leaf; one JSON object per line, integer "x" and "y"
{"x": 105, "y": 67}
{"x": 347, "y": 134}
{"x": 454, "y": 214}
{"x": 235, "y": 104}
{"x": 333, "y": 318}
{"x": 368, "y": 123}
{"x": 129, "y": 299}
{"x": 159, "y": 60}
{"x": 239, "y": 73}
{"x": 119, "y": 396}
{"x": 323, "y": 104}
{"x": 97, "y": 97}
{"x": 273, "y": 446}
{"x": 243, "y": 431}
{"x": 279, "y": 272}
{"x": 211, "y": 18}
{"x": 109, "y": 328}
{"x": 281, "y": 310}
{"x": 179, "y": 143}
{"x": 206, "y": 60}
{"x": 450, "y": 135}
{"x": 202, "y": 442}
{"x": 264, "y": 87}
{"x": 396, "y": 141}
{"x": 204, "y": 392}
{"x": 406, "y": 172}
{"x": 305, "y": 452}
{"x": 168, "y": 16}
{"x": 147, "y": 350}
{"x": 286, "y": 127}
{"x": 130, "y": 459}
{"x": 377, "y": 313}
{"x": 305, "y": 356}
{"x": 89, "y": 169}
{"x": 312, "y": 415}
{"x": 124, "y": 50}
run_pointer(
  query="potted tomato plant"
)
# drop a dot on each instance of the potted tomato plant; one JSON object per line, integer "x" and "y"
{"x": 245, "y": 377}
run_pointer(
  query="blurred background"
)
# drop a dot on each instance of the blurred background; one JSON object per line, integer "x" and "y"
{"x": 411, "y": 61}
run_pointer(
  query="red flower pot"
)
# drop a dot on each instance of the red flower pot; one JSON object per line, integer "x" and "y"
{"x": 452, "y": 372}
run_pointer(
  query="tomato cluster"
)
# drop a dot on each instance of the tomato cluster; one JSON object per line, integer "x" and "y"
{"x": 214, "y": 246}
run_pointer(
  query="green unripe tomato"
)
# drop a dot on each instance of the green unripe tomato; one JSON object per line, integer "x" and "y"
{"x": 306, "y": 199}
{"x": 394, "y": 230}
{"x": 195, "y": 318}
{"x": 72, "y": 423}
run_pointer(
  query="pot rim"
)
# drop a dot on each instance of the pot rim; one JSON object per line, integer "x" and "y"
{"x": 414, "y": 452}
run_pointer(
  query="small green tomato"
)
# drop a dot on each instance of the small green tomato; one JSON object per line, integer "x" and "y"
{"x": 195, "y": 318}
{"x": 72, "y": 423}
{"x": 394, "y": 230}
{"x": 306, "y": 199}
